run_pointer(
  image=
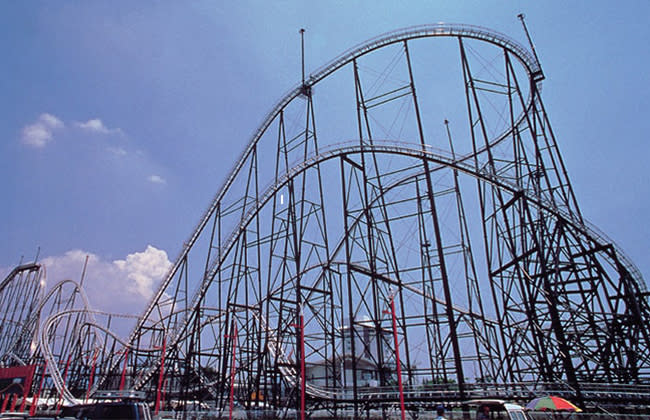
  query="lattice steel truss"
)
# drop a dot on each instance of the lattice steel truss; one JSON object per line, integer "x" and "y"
{"x": 418, "y": 168}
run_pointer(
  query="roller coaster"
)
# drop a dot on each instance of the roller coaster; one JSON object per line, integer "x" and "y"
{"x": 400, "y": 229}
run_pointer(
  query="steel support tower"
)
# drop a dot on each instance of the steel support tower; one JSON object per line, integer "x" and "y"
{"x": 419, "y": 169}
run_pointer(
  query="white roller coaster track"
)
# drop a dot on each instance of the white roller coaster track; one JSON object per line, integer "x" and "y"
{"x": 531, "y": 67}
{"x": 417, "y": 151}
{"x": 435, "y": 30}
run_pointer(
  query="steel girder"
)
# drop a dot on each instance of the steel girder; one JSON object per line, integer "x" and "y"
{"x": 477, "y": 238}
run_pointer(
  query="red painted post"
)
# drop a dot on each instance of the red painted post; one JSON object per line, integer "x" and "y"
{"x": 65, "y": 376}
{"x": 24, "y": 401}
{"x": 4, "y": 402}
{"x": 301, "y": 326}
{"x": 22, "y": 404}
{"x": 399, "y": 367}
{"x": 164, "y": 393}
{"x": 92, "y": 374}
{"x": 232, "y": 369}
{"x": 32, "y": 409}
{"x": 161, "y": 376}
{"x": 12, "y": 407}
{"x": 302, "y": 364}
{"x": 126, "y": 359}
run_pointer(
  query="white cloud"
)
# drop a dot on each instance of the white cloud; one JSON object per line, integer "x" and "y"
{"x": 144, "y": 270}
{"x": 40, "y": 132}
{"x": 95, "y": 125}
{"x": 51, "y": 121}
{"x": 156, "y": 179}
{"x": 115, "y": 286}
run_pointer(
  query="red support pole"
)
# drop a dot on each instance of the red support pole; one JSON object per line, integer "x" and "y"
{"x": 164, "y": 393}
{"x": 301, "y": 326}
{"x": 12, "y": 407}
{"x": 126, "y": 359}
{"x": 92, "y": 374}
{"x": 4, "y": 402}
{"x": 32, "y": 409}
{"x": 232, "y": 369}
{"x": 65, "y": 376}
{"x": 399, "y": 367}
{"x": 302, "y": 364}
{"x": 23, "y": 403}
{"x": 161, "y": 376}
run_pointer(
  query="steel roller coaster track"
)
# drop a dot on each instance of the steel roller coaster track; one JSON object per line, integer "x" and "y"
{"x": 354, "y": 192}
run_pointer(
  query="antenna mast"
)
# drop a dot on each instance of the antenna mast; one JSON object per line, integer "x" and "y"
{"x": 521, "y": 17}
{"x": 302, "y": 47}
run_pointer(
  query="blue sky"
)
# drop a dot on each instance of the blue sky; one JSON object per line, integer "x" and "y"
{"x": 121, "y": 119}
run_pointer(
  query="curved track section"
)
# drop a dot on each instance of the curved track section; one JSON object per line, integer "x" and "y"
{"x": 20, "y": 293}
{"x": 507, "y": 45}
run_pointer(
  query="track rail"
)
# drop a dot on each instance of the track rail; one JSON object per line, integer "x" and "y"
{"x": 404, "y": 149}
{"x": 435, "y": 30}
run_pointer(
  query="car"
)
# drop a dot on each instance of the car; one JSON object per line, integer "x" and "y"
{"x": 124, "y": 410}
{"x": 11, "y": 415}
{"x": 25, "y": 416}
{"x": 496, "y": 410}
{"x": 124, "y": 405}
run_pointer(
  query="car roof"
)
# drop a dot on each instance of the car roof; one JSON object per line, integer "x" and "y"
{"x": 495, "y": 403}
{"x": 488, "y": 402}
